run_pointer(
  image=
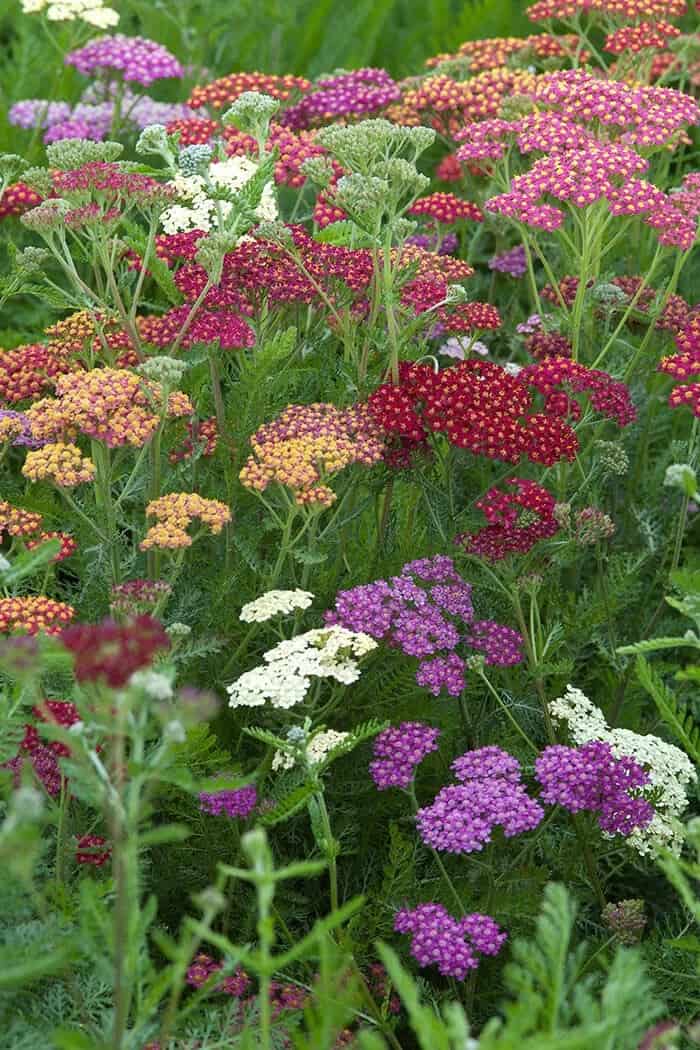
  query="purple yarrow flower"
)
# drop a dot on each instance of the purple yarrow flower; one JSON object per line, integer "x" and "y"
{"x": 451, "y": 944}
{"x": 533, "y": 324}
{"x": 501, "y": 645}
{"x": 442, "y": 672}
{"x": 239, "y": 802}
{"x": 513, "y": 262}
{"x": 462, "y": 817}
{"x": 426, "y": 621}
{"x": 591, "y": 778}
{"x": 486, "y": 762}
{"x": 431, "y": 242}
{"x": 361, "y": 92}
{"x": 33, "y": 112}
{"x": 135, "y": 58}
{"x": 74, "y": 129}
{"x": 398, "y": 751}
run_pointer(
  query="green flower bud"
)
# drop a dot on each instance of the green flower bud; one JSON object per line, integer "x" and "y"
{"x": 73, "y": 153}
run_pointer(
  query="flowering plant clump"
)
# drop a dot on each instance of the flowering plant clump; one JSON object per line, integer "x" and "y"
{"x": 337, "y": 437}
{"x": 427, "y": 612}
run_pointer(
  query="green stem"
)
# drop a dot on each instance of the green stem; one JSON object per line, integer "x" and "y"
{"x": 103, "y": 495}
{"x": 513, "y": 721}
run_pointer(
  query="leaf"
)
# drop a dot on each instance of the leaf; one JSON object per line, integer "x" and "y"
{"x": 165, "y": 833}
{"x": 288, "y": 806}
{"x": 17, "y": 972}
{"x": 672, "y": 710}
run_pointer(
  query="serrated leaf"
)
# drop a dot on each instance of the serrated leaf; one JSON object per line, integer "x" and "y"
{"x": 289, "y": 806}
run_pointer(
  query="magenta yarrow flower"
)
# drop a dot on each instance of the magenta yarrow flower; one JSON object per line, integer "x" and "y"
{"x": 135, "y": 58}
{"x": 512, "y": 262}
{"x": 461, "y": 818}
{"x": 453, "y": 945}
{"x": 427, "y": 612}
{"x": 590, "y": 778}
{"x": 359, "y": 93}
{"x": 238, "y": 802}
{"x": 398, "y": 751}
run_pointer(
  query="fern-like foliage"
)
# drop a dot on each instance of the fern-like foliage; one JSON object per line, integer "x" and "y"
{"x": 673, "y": 711}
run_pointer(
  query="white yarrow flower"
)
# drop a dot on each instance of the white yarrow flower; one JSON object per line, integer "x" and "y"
{"x": 317, "y": 749}
{"x": 273, "y": 603}
{"x": 231, "y": 174}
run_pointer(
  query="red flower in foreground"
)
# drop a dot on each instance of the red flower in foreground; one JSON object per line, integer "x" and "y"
{"x": 110, "y": 651}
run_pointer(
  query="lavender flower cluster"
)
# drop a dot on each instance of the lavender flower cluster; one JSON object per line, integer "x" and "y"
{"x": 92, "y": 118}
{"x": 398, "y": 751}
{"x": 451, "y": 944}
{"x": 424, "y": 613}
{"x": 513, "y": 262}
{"x": 591, "y": 778}
{"x": 133, "y": 58}
{"x": 462, "y": 816}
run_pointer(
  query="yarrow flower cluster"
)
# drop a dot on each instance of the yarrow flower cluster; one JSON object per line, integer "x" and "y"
{"x": 93, "y": 850}
{"x": 175, "y": 513}
{"x": 357, "y": 94}
{"x": 461, "y": 817}
{"x": 221, "y": 92}
{"x": 517, "y": 520}
{"x": 111, "y": 405}
{"x": 61, "y": 463}
{"x": 285, "y": 678}
{"x": 543, "y": 10}
{"x": 685, "y": 365}
{"x": 591, "y": 778}
{"x": 398, "y": 751}
{"x": 453, "y": 945}
{"x": 135, "y": 597}
{"x": 479, "y": 406}
{"x": 111, "y": 652}
{"x": 427, "y": 612}
{"x": 669, "y": 769}
{"x": 316, "y": 749}
{"x": 236, "y": 802}
{"x": 446, "y": 208}
{"x": 306, "y": 445}
{"x": 34, "y": 614}
{"x": 201, "y": 210}
{"x": 94, "y": 12}
{"x": 133, "y": 58}
{"x": 203, "y": 967}
{"x": 274, "y": 603}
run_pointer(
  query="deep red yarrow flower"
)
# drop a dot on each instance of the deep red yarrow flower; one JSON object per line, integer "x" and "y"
{"x": 517, "y": 520}
{"x": 479, "y": 406}
{"x": 640, "y": 37}
{"x": 110, "y": 651}
{"x": 51, "y": 712}
{"x": 607, "y": 395}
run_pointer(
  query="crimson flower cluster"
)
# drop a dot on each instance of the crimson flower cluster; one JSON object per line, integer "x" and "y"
{"x": 110, "y": 651}
{"x": 591, "y": 778}
{"x": 557, "y": 377}
{"x": 427, "y": 613}
{"x": 517, "y": 520}
{"x": 453, "y": 945}
{"x": 479, "y": 406}
{"x": 461, "y": 817}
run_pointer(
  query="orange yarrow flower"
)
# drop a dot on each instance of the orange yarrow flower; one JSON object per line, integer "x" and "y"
{"x": 175, "y": 513}
{"x": 34, "y": 613}
{"x": 59, "y": 462}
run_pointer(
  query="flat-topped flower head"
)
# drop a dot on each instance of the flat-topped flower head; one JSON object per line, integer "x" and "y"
{"x": 517, "y": 520}
{"x": 133, "y": 58}
{"x": 34, "y": 614}
{"x": 274, "y": 603}
{"x": 175, "y": 513}
{"x": 236, "y": 802}
{"x": 111, "y": 652}
{"x": 285, "y": 678}
{"x": 61, "y": 463}
{"x": 398, "y": 751}
{"x": 115, "y": 406}
{"x": 453, "y": 945}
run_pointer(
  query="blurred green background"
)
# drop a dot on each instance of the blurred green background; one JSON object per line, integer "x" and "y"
{"x": 214, "y": 37}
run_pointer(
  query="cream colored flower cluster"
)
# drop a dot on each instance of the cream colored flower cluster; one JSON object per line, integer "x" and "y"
{"x": 274, "y": 603}
{"x": 201, "y": 211}
{"x": 317, "y": 749}
{"x": 670, "y": 770}
{"x": 94, "y": 12}
{"x": 285, "y": 678}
